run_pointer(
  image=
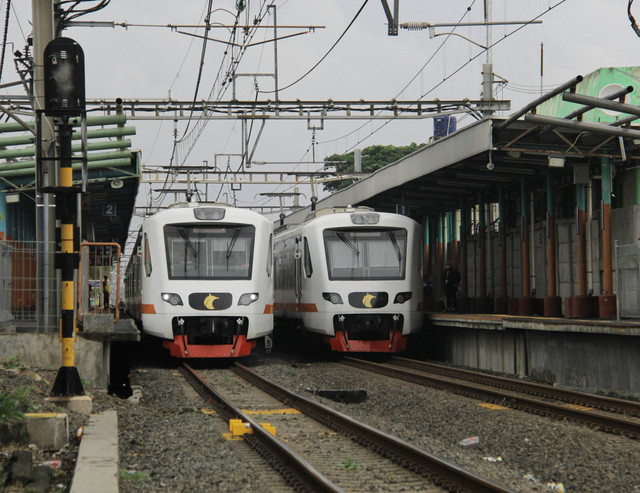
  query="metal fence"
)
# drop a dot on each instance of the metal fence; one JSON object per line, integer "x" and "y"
{"x": 26, "y": 296}
{"x": 628, "y": 280}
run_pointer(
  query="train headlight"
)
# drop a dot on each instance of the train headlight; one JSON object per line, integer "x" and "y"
{"x": 209, "y": 213}
{"x": 334, "y": 298}
{"x": 172, "y": 298}
{"x": 367, "y": 218}
{"x": 402, "y": 297}
{"x": 248, "y": 298}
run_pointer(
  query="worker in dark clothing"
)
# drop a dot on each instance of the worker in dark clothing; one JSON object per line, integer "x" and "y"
{"x": 451, "y": 282}
{"x": 105, "y": 292}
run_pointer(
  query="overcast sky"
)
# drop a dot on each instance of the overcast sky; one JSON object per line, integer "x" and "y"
{"x": 579, "y": 37}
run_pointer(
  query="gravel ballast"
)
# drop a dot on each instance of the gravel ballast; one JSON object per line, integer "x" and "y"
{"x": 167, "y": 443}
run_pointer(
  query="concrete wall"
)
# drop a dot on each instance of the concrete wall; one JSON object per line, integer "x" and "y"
{"x": 604, "y": 363}
{"x": 44, "y": 351}
{"x": 626, "y": 230}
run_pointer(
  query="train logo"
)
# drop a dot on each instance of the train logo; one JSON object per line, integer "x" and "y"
{"x": 377, "y": 299}
{"x": 209, "y": 300}
{"x": 366, "y": 300}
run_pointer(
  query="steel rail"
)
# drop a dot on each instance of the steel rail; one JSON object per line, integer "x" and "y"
{"x": 443, "y": 473}
{"x": 572, "y": 396}
{"x": 611, "y": 424}
{"x": 298, "y": 472}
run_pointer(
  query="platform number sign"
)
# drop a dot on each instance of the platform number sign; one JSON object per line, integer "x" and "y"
{"x": 109, "y": 210}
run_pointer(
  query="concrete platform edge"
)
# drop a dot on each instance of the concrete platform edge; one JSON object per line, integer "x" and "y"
{"x": 98, "y": 459}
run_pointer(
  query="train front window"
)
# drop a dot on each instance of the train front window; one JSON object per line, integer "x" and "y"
{"x": 365, "y": 253}
{"x": 209, "y": 252}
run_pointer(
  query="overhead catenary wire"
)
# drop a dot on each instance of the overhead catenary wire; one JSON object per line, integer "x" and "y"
{"x": 429, "y": 60}
{"x": 461, "y": 67}
{"x": 325, "y": 55}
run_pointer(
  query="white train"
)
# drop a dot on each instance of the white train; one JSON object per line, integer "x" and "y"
{"x": 353, "y": 276}
{"x": 201, "y": 279}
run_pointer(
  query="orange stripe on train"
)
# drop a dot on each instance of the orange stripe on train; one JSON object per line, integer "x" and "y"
{"x": 148, "y": 308}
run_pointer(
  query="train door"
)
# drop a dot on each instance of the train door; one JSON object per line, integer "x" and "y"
{"x": 298, "y": 275}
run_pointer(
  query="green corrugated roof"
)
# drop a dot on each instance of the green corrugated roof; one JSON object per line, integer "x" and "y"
{"x": 598, "y": 84}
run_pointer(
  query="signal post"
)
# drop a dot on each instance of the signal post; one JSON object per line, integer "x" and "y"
{"x": 65, "y": 98}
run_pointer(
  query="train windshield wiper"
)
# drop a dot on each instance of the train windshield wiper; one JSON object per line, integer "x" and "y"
{"x": 392, "y": 236}
{"x": 233, "y": 242}
{"x": 188, "y": 242}
{"x": 347, "y": 242}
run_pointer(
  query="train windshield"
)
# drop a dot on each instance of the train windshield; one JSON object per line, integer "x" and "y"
{"x": 209, "y": 252}
{"x": 366, "y": 253}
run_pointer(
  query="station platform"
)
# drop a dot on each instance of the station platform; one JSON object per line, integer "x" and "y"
{"x": 92, "y": 347}
{"x": 592, "y": 355}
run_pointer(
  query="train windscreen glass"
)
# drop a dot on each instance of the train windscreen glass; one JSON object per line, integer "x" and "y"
{"x": 366, "y": 253}
{"x": 209, "y": 252}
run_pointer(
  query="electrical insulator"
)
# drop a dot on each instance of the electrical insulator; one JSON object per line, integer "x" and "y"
{"x": 415, "y": 26}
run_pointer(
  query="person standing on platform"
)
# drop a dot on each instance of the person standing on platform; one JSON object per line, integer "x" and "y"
{"x": 105, "y": 292}
{"x": 451, "y": 282}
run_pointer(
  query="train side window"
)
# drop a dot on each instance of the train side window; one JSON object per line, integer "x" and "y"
{"x": 147, "y": 256}
{"x": 270, "y": 256}
{"x": 308, "y": 268}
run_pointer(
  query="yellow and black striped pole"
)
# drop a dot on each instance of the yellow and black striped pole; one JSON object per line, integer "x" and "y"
{"x": 64, "y": 97}
{"x": 68, "y": 381}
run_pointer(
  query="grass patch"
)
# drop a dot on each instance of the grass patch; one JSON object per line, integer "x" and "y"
{"x": 13, "y": 363}
{"x": 133, "y": 475}
{"x": 9, "y": 410}
{"x": 350, "y": 465}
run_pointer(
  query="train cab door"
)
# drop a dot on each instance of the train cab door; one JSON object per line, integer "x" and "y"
{"x": 298, "y": 275}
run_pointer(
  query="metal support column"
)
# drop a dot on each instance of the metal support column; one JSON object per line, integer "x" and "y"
{"x": 502, "y": 302}
{"x": 580, "y": 306}
{"x": 440, "y": 261}
{"x": 463, "y": 303}
{"x": 526, "y": 304}
{"x": 607, "y": 301}
{"x": 552, "y": 302}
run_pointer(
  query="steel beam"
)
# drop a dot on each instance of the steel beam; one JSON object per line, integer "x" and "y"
{"x": 584, "y": 126}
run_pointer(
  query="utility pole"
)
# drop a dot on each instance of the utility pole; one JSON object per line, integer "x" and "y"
{"x": 487, "y": 68}
{"x": 46, "y": 304}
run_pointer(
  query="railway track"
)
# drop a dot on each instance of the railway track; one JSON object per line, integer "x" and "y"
{"x": 602, "y": 413}
{"x": 319, "y": 449}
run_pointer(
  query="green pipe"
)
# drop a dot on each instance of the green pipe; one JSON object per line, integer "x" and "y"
{"x": 91, "y": 134}
{"x": 91, "y": 146}
{"x": 98, "y": 156}
{"x": 110, "y": 163}
{"x": 92, "y": 121}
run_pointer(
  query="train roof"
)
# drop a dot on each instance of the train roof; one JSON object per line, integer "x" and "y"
{"x": 336, "y": 210}
{"x": 324, "y": 216}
